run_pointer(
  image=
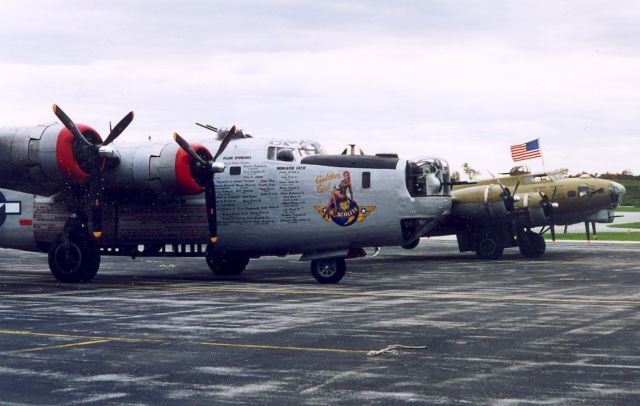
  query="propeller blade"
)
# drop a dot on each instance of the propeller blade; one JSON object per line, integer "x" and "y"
{"x": 593, "y": 228}
{"x": 515, "y": 190}
{"x": 553, "y": 233}
{"x": 225, "y": 142}
{"x": 187, "y": 148}
{"x": 71, "y": 126}
{"x": 210, "y": 200}
{"x": 119, "y": 128}
{"x": 208, "y": 183}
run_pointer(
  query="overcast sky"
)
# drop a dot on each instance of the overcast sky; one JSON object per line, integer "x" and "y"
{"x": 462, "y": 80}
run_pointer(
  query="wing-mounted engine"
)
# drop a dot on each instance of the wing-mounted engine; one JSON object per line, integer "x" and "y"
{"x": 156, "y": 170}
{"x": 41, "y": 159}
{"x": 533, "y": 209}
{"x": 496, "y": 203}
{"x": 479, "y": 204}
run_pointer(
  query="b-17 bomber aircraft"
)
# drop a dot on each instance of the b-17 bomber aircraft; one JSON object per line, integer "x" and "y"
{"x": 68, "y": 192}
{"x": 499, "y": 213}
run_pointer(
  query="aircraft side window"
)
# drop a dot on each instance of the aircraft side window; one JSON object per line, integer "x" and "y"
{"x": 571, "y": 193}
{"x": 285, "y": 155}
{"x": 280, "y": 154}
{"x": 583, "y": 191}
{"x": 366, "y": 180}
{"x": 271, "y": 153}
{"x": 235, "y": 170}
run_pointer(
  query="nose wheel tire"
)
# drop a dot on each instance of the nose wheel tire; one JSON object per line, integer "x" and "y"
{"x": 328, "y": 270}
{"x": 73, "y": 260}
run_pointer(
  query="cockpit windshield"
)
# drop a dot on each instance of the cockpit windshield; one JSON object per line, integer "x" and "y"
{"x": 542, "y": 178}
{"x": 289, "y": 151}
{"x": 428, "y": 177}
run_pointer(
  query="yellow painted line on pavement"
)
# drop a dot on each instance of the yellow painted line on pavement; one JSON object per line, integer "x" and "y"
{"x": 54, "y": 347}
{"x": 283, "y": 348}
{"x": 98, "y": 340}
{"x": 416, "y": 295}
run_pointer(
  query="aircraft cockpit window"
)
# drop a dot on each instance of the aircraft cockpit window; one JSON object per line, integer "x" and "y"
{"x": 428, "y": 177}
{"x": 280, "y": 154}
{"x": 583, "y": 191}
{"x": 557, "y": 176}
{"x": 536, "y": 179}
{"x": 289, "y": 151}
{"x": 571, "y": 193}
{"x": 285, "y": 155}
{"x": 310, "y": 148}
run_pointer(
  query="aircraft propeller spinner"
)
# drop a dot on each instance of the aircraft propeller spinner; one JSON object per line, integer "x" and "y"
{"x": 90, "y": 153}
{"x": 203, "y": 168}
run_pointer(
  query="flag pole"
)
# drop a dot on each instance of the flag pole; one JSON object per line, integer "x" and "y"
{"x": 542, "y": 157}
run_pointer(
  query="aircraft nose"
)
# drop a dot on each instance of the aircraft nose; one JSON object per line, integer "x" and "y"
{"x": 616, "y": 193}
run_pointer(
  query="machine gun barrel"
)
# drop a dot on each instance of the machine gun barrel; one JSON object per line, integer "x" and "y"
{"x": 208, "y": 127}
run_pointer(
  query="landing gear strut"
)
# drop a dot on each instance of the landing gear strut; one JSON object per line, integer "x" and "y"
{"x": 73, "y": 255}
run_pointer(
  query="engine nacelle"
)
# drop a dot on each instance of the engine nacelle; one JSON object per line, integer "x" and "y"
{"x": 531, "y": 210}
{"x": 154, "y": 169}
{"x": 480, "y": 203}
{"x": 40, "y": 159}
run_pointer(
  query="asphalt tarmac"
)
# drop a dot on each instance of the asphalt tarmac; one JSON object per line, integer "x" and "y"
{"x": 564, "y": 329}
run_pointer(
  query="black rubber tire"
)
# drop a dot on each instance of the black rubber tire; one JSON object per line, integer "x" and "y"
{"x": 74, "y": 260}
{"x": 411, "y": 245}
{"x": 227, "y": 264}
{"x": 328, "y": 270}
{"x": 532, "y": 245}
{"x": 489, "y": 247}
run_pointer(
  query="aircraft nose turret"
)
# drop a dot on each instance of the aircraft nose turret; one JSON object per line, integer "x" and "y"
{"x": 616, "y": 191}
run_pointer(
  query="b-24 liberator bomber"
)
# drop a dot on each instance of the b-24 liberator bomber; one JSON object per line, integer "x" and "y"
{"x": 499, "y": 213}
{"x": 68, "y": 192}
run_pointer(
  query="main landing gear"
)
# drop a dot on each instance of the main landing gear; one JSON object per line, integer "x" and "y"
{"x": 490, "y": 246}
{"x": 73, "y": 255}
{"x": 490, "y": 243}
{"x": 226, "y": 264}
{"x": 329, "y": 270}
{"x": 531, "y": 244}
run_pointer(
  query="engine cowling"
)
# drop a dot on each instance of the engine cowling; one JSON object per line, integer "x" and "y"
{"x": 532, "y": 209}
{"x": 480, "y": 203}
{"x": 155, "y": 169}
{"x": 41, "y": 159}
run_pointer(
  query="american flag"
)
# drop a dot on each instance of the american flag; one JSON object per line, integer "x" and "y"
{"x": 528, "y": 150}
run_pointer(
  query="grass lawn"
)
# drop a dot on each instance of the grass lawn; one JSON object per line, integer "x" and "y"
{"x": 625, "y": 225}
{"x": 628, "y": 209}
{"x": 632, "y": 197}
{"x": 602, "y": 236}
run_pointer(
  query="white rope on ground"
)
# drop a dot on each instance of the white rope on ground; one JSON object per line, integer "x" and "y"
{"x": 393, "y": 349}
